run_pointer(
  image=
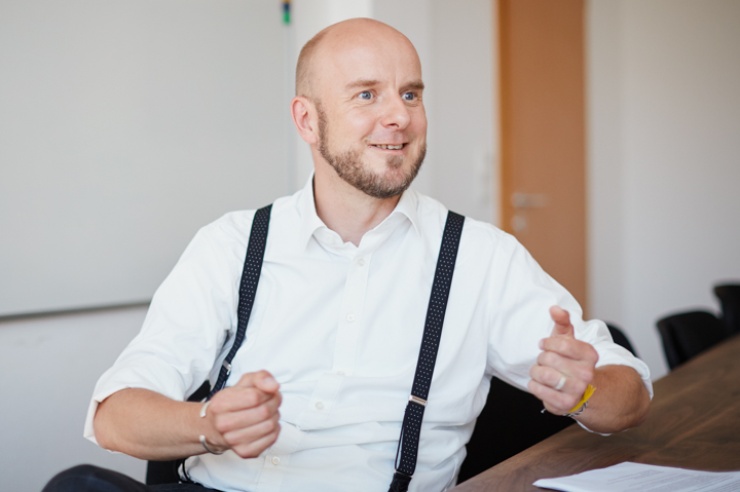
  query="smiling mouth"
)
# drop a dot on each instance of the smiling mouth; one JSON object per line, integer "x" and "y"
{"x": 388, "y": 147}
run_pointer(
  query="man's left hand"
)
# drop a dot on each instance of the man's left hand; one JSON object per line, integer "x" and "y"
{"x": 564, "y": 368}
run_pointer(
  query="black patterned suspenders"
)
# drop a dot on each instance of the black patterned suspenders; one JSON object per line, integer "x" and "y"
{"x": 408, "y": 444}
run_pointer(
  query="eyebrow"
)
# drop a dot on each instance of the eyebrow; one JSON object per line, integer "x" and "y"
{"x": 417, "y": 84}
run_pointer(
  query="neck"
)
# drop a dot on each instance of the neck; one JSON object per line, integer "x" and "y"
{"x": 346, "y": 210}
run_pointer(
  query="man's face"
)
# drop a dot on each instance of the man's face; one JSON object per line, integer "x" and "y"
{"x": 371, "y": 119}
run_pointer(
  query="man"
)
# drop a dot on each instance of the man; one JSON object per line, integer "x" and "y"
{"x": 318, "y": 390}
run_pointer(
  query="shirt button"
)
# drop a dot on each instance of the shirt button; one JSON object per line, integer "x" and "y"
{"x": 351, "y": 317}
{"x": 275, "y": 460}
{"x": 319, "y": 405}
{"x": 360, "y": 261}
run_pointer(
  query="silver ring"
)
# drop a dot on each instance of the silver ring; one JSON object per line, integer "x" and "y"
{"x": 561, "y": 383}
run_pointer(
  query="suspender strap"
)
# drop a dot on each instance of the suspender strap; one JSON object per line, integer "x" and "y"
{"x": 408, "y": 445}
{"x": 247, "y": 288}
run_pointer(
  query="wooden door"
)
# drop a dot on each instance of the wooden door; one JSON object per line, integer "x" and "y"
{"x": 543, "y": 133}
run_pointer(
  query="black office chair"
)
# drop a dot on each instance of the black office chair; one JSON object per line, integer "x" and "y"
{"x": 729, "y": 300}
{"x": 620, "y": 338}
{"x": 686, "y": 334}
{"x": 512, "y": 420}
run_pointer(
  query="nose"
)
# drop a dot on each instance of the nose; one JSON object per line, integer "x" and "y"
{"x": 396, "y": 113}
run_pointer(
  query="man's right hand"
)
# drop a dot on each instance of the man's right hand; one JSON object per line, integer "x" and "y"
{"x": 150, "y": 426}
{"x": 245, "y": 417}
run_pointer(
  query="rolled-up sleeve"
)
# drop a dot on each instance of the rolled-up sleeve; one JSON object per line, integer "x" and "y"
{"x": 190, "y": 317}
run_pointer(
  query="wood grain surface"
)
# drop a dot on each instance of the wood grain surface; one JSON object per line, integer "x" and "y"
{"x": 694, "y": 422}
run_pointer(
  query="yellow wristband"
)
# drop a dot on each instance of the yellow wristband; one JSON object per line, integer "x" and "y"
{"x": 583, "y": 403}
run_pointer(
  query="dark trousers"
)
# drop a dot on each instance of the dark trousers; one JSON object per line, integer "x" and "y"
{"x": 89, "y": 478}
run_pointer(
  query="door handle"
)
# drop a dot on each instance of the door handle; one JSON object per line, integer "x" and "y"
{"x": 521, "y": 200}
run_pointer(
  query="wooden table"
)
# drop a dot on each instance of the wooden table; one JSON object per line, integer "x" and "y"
{"x": 694, "y": 422}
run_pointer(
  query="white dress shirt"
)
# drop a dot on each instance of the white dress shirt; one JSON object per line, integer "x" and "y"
{"x": 339, "y": 326}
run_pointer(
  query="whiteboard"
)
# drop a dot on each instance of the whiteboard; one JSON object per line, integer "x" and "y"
{"x": 124, "y": 127}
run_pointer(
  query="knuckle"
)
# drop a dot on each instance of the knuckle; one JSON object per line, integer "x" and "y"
{"x": 221, "y": 426}
{"x": 594, "y": 356}
{"x": 531, "y": 386}
{"x": 569, "y": 403}
{"x": 246, "y": 452}
{"x": 262, "y": 412}
{"x": 251, "y": 398}
{"x": 579, "y": 389}
{"x": 274, "y": 437}
{"x": 548, "y": 358}
{"x": 270, "y": 426}
{"x": 541, "y": 358}
{"x": 249, "y": 376}
{"x": 262, "y": 374}
{"x": 586, "y": 374}
{"x": 216, "y": 407}
{"x": 561, "y": 343}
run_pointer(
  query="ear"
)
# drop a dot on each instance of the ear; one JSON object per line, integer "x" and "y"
{"x": 303, "y": 112}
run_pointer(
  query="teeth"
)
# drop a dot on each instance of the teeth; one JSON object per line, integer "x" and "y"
{"x": 390, "y": 147}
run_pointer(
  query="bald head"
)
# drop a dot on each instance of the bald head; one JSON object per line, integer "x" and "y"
{"x": 359, "y": 105}
{"x": 340, "y": 36}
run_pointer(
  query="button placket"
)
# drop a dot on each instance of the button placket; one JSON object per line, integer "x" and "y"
{"x": 351, "y": 317}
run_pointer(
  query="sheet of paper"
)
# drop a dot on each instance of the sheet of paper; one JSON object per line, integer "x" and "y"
{"x": 629, "y": 477}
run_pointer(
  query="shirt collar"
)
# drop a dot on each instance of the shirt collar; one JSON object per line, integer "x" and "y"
{"x": 311, "y": 222}
{"x": 408, "y": 206}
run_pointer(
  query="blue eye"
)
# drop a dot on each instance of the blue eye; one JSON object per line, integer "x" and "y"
{"x": 366, "y": 95}
{"x": 409, "y": 96}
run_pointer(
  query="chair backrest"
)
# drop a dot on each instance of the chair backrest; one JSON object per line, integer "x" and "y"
{"x": 686, "y": 334}
{"x": 620, "y": 338}
{"x": 510, "y": 422}
{"x": 729, "y": 300}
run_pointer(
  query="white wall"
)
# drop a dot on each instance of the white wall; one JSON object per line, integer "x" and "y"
{"x": 124, "y": 126}
{"x": 663, "y": 169}
{"x": 49, "y": 365}
{"x": 664, "y": 159}
{"x": 48, "y": 368}
{"x": 463, "y": 136}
